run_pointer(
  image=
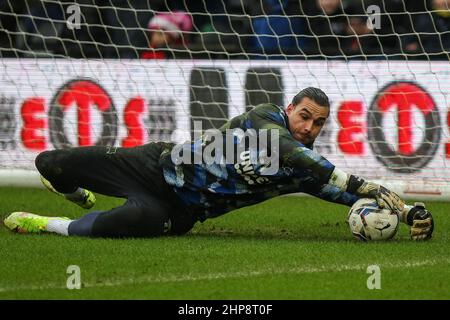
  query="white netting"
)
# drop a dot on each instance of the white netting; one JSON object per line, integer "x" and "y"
{"x": 122, "y": 72}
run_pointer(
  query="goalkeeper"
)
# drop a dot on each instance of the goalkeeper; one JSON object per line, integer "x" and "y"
{"x": 167, "y": 192}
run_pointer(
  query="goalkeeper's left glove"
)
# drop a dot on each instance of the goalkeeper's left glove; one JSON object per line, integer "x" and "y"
{"x": 420, "y": 220}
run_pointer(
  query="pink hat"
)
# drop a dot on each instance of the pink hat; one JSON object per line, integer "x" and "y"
{"x": 174, "y": 23}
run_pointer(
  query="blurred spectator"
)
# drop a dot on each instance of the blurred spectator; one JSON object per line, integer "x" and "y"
{"x": 226, "y": 29}
{"x": 92, "y": 39}
{"x": 126, "y": 26}
{"x": 9, "y": 25}
{"x": 375, "y": 33}
{"x": 274, "y": 30}
{"x": 207, "y": 16}
{"x": 225, "y": 25}
{"x": 165, "y": 29}
{"x": 432, "y": 29}
{"x": 212, "y": 20}
{"x": 395, "y": 24}
{"x": 326, "y": 28}
{"x": 362, "y": 38}
{"x": 39, "y": 28}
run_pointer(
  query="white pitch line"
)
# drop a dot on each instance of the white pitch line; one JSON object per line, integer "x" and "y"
{"x": 229, "y": 275}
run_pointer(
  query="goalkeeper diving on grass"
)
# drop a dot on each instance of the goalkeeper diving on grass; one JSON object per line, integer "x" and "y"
{"x": 258, "y": 155}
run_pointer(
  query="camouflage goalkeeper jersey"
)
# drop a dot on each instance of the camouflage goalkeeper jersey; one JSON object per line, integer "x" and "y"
{"x": 212, "y": 188}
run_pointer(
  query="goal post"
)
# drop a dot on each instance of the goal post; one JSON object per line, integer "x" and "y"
{"x": 92, "y": 85}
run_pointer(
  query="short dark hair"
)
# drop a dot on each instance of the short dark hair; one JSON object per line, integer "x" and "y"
{"x": 315, "y": 94}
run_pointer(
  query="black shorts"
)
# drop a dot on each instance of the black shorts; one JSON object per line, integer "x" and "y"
{"x": 131, "y": 173}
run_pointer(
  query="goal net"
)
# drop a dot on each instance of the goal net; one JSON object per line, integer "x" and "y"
{"x": 123, "y": 73}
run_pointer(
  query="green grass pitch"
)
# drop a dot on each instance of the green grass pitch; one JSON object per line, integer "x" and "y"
{"x": 286, "y": 248}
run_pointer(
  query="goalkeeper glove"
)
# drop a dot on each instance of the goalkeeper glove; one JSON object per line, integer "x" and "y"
{"x": 365, "y": 189}
{"x": 385, "y": 198}
{"x": 420, "y": 220}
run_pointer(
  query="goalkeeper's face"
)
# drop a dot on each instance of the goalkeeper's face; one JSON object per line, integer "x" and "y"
{"x": 306, "y": 119}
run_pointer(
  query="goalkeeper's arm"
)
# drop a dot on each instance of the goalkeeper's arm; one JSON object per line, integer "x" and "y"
{"x": 295, "y": 155}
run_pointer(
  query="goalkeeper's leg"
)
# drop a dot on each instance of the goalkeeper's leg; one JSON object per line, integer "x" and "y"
{"x": 69, "y": 171}
{"x": 144, "y": 216}
{"x": 130, "y": 220}
{"x": 140, "y": 216}
{"x": 117, "y": 172}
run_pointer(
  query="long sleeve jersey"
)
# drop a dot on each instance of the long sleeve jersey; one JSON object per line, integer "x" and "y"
{"x": 245, "y": 173}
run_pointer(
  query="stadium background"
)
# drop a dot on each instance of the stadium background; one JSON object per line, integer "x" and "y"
{"x": 83, "y": 72}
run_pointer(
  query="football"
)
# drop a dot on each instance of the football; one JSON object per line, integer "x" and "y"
{"x": 369, "y": 222}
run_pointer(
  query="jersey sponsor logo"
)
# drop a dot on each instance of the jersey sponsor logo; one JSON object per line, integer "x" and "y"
{"x": 246, "y": 169}
{"x": 409, "y": 106}
{"x": 221, "y": 148}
